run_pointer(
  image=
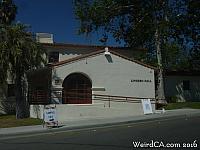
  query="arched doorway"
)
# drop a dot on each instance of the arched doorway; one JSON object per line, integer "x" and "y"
{"x": 77, "y": 89}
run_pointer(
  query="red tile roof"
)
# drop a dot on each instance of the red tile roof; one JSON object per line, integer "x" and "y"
{"x": 182, "y": 73}
{"x": 64, "y": 45}
{"x": 95, "y": 53}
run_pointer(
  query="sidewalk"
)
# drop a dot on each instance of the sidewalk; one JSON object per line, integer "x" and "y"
{"x": 98, "y": 122}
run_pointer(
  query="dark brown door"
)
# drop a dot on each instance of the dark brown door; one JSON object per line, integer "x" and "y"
{"x": 77, "y": 89}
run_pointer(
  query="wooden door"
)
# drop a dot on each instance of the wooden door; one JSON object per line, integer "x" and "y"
{"x": 77, "y": 89}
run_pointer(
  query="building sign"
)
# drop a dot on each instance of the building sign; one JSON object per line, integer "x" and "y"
{"x": 140, "y": 80}
{"x": 50, "y": 118}
{"x": 146, "y": 105}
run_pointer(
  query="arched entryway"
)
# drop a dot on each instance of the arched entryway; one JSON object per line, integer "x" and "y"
{"x": 77, "y": 89}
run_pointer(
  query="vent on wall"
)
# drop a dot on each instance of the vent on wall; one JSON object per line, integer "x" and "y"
{"x": 106, "y": 51}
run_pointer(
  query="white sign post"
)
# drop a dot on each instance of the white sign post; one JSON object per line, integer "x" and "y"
{"x": 50, "y": 118}
{"x": 146, "y": 105}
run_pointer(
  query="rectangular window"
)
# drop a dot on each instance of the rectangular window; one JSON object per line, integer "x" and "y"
{"x": 53, "y": 57}
{"x": 39, "y": 96}
{"x": 11, "y": 90}
{"x": 186, "y": 85}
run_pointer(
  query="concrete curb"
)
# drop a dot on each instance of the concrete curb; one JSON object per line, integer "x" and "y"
{"x": 96, "y": 123}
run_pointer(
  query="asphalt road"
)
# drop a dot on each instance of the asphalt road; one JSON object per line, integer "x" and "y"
{"x": 176, "y": 132}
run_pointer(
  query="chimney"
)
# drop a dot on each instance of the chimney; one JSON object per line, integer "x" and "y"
{"x": 44, "y": 37}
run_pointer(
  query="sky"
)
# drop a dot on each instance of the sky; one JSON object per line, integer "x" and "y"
{"x": 56, "y": 17}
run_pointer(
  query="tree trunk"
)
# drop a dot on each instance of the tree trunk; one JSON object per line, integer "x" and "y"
{"x": 160, "y": 84}
{"x": 21, "y": 111}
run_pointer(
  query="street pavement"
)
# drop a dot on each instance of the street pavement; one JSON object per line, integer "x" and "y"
{"x": 175, "y": 129}
{"x": 97, "y": 122}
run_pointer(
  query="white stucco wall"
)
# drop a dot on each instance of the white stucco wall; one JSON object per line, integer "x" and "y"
{"x": 65, "y": 54}
{"x": 66, "y": 112}
{"x": 67, "y": 51}
{"x": 114, "y": 74}
{"x": 174, "y": 87}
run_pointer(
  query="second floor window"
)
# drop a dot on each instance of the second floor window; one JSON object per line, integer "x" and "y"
{"x": 186, "y": 85}
{"x": 53, "y": 57}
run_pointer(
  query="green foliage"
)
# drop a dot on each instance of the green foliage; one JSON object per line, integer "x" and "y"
{"x": 19, "y": 53}
{"x": 7, "y": 121}
{"x": 195, "y": 59}
{"x": 193, "y": 32}
{"x": 8, "y": 12}
{"x": 173, "y": 99}
{"x": 187, "y": 30}
{"x": 181, "y": 105}
{"x": 174, "y": 58}
{"x": 135, "y": 23}
{"x": 122, "y": 18}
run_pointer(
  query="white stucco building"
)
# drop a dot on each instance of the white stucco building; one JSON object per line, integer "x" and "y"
{"x": 102, "y": 83}
{"x": 182, "y": 86}
{"x": 87, "y": 81}
{"x": 94, "y": 81}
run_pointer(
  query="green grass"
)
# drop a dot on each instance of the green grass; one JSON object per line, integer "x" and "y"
{"x": 7, "y": 121}
{"x": 180, "y": 105}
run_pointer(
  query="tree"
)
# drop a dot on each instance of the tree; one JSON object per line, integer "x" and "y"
{"x": 8, "y": 12}
{"x": 164, "y": 27}
{"x": 138, "y": 23}
{"x": 174, "y": 58}
{"x": 193, "y": 31}
{"x": 195, "y": 59}
{"x": 18, "y": 54}
{"x": 186, "y": 30}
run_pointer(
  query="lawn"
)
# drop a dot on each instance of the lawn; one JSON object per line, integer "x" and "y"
{"x": 7, "y": 121}
{"x": 180, "y": 105}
